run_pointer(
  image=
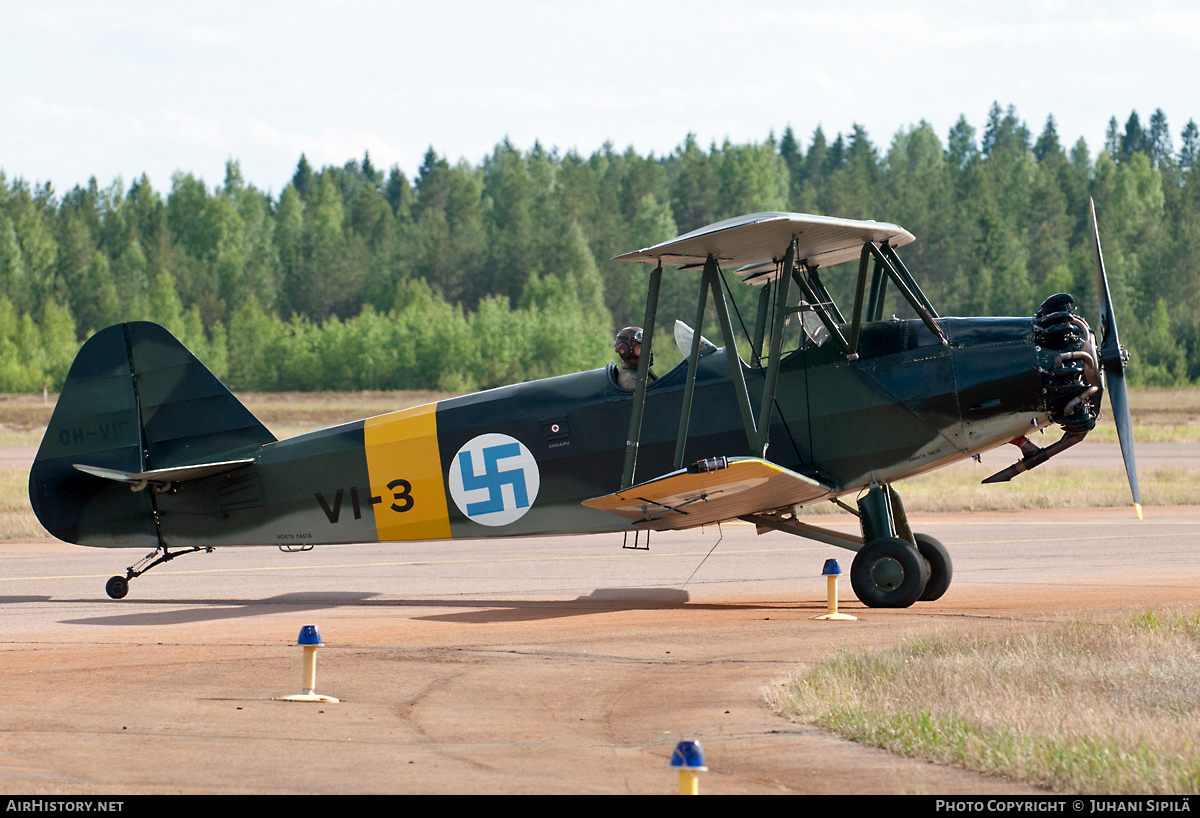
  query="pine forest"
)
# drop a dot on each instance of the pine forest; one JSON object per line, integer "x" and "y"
{"x": 466, "y": 276}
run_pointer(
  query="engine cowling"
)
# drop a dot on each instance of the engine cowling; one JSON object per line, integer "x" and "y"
{"x": 1069, "y": 364}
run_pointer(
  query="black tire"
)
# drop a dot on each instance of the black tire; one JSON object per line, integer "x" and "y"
{"x": 117, "y": 587}
{"x": 888, "y": 573}
{"x": 941, "y": 569}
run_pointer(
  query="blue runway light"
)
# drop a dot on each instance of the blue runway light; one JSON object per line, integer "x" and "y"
{"x": 310, "y": 640}
{"x": 688, "y": 755}
{"x": 831, "y": 572}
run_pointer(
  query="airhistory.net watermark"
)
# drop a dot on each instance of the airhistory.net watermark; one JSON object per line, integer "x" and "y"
{"x": 46, "y": 805}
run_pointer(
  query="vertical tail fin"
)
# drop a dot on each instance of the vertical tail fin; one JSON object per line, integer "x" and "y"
{"x": 134, "y": 400}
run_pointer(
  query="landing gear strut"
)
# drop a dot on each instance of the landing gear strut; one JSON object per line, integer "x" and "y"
{"x": 117, "y": 587}
{"x": 896, "y": 567}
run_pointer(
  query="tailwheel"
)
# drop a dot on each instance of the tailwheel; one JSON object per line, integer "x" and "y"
{"x": 117, "y": 587}
{"x": 941, "y": 569}
{"x": 888, "y": 573}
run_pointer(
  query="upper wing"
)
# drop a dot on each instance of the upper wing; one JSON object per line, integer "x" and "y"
{"x": 728, "y": 489}
{"x": 764, "y": 237}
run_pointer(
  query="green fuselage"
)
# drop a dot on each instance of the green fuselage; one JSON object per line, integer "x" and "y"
{"x": 907, "y": 405}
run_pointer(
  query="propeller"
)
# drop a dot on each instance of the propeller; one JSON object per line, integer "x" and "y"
{"x": 1112, "y": 361}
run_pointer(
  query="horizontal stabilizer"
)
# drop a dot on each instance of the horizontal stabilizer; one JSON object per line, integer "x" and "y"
{"x": 710, "y": 492}
{"x": 165, "y": 477}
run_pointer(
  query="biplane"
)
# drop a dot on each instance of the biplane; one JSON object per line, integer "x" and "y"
{"x": 147, "y": 449}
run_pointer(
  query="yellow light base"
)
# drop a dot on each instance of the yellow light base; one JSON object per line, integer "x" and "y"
{"x": 309, "y": 669}
{"x": 831, "y": 585}
{"x": 308, "y": 697}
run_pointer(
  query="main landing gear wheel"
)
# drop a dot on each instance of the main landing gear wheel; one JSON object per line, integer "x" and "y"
{"x": 941, "y": 569}
{"x": 117, "y": 587}
{"x": 888, "y": 573}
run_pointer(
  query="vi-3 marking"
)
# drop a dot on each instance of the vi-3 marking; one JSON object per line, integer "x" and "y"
{"x": 403, "y": 497}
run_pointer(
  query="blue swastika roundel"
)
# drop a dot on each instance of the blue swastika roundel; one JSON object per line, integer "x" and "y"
{"x": 494, "y": 479}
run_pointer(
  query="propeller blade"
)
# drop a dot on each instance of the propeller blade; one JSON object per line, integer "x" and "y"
{"x": 1110, "y": 346}
{"x": 1112, "y": 361}
{"x": 1120, "y": 405}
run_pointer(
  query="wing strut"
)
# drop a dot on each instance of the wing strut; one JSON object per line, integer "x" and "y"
{"x": 781, "y": 313}
{"x": 814, "y": 297}
{"x": 859, "y": 291}
{"x": 760, "y": 322}
{"x": 878, "y": 290}
{"x": 905, "y": 284}
{"x": 639, "y": 393}
{"x": 909, "y": 281}
{"x": 756, "y": 432}
{"x": 712, "y": 280}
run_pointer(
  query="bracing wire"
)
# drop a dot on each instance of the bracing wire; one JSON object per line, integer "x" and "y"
{"x": 736, "y": 311}
{"x": 721, "y": 532}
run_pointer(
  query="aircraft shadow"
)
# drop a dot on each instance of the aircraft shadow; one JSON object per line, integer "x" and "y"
{"x": 602, "y": 600}
{"x": 217, "y": 609}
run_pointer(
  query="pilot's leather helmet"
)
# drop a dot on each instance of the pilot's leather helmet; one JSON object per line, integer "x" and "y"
{"x": 627, "y": 342}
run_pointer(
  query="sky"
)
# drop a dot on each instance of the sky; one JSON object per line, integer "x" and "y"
{"x": 122, "y": 89}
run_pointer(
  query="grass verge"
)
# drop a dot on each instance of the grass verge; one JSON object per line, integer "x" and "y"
{"x": 1159, "y": 416}
{"x": 17, "y": 520}
{"x": 958, "y": 488}
{"x": 23, "y": 418}
{"x": 1081, "y": 706}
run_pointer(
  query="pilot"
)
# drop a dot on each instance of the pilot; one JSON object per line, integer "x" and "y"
{"x": 628, "y": 347}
